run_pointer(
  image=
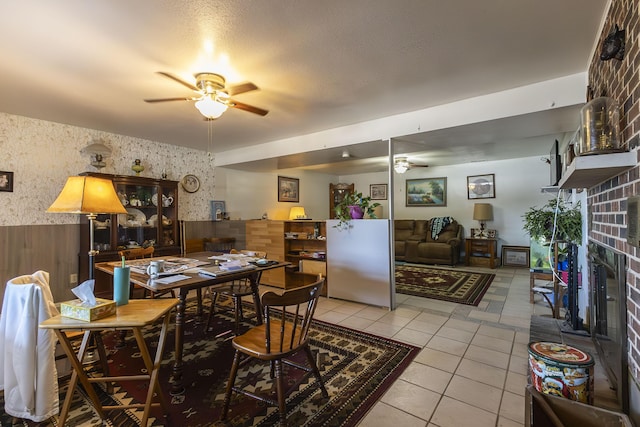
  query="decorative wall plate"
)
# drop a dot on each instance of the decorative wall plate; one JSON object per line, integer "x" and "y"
{"x": 190, "y": 183}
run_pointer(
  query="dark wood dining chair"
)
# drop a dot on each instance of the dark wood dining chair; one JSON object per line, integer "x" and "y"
{"x": 285, "y": 331}
{"x": 231, "y": 294}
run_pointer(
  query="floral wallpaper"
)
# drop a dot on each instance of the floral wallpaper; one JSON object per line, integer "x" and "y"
{"x": 43, "y": 154}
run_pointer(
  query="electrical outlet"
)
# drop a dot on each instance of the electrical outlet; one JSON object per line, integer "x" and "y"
{"x": 73, "y": 279}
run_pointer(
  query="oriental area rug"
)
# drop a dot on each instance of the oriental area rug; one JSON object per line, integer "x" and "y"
{"x": 357, "y": 369}
{"x": 462, "y": 287}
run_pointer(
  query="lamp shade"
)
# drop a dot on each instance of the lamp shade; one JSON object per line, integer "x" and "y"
{"x": 210, "y": 108}
{"x": 482, "y": 212}
{"x": 87, "y": 195}
{"x": 297, "y": 212}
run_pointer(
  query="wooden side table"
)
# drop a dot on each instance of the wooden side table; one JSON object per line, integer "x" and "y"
{"x": 482, "y": 252}
{"x": 133, "y": 316}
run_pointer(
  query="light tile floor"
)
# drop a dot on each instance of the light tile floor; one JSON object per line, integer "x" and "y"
{"x": 472, "y": 369}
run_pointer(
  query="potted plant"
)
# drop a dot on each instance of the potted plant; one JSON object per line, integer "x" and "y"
{"x": 354, "y": 206}
{"x": 538, "y": 222}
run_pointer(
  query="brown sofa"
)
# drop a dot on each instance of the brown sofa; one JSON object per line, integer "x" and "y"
{"x": 413, "y": 242}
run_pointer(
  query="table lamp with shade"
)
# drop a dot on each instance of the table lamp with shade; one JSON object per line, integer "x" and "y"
{"x": 91, "y": 196}
{"x": 297, "y": 212}
{"x": 482, "y": 212}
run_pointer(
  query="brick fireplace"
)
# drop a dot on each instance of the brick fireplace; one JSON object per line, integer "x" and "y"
{"x": 607, "y": 202}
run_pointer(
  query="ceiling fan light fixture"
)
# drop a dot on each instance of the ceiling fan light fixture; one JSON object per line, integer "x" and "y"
{"x": 401, "y": 165}
{"x": 210, "y": 108}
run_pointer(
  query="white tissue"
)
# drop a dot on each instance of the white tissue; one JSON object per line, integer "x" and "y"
{"x": 84, "y": 291}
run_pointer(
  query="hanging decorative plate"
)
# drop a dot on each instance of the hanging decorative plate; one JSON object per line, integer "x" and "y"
{"x": 190, "y": 183}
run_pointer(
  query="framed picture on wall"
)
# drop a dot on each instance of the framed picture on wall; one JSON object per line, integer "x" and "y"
{"x": 218, "y": 210}
{"x": 481, "y": 187}
{"x": 6, "y": 181}
{"x": 427, "y": 192}
{"x": 378, "y": 191}
{"x": 515, "y": 256}
{"x": 288, "y": 189}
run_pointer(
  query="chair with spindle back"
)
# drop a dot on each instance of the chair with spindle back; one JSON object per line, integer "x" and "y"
{"x": 287, "y": 319}
{"x": 234, "y": 291}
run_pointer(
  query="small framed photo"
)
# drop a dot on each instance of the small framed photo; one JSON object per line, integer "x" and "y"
{"x": 288, "y": 189}
{"x": 427, "y": 192}
{"x": 218, "y": 210}
{"x": 515, "y": 256}
{"x": 378, "y": 191}
{"x": 481, "y": 187}
{"x": 6, "y": 181}
{"x": 476, "y": 233}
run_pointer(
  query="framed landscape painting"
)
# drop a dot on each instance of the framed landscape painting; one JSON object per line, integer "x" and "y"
{"x": 427, "y": 192}
{"x": 288, "y": 189}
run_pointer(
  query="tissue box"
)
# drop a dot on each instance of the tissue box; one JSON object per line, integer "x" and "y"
{"x": 76, "y": 310}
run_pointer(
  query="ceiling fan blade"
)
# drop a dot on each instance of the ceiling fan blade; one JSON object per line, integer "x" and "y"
{"x": 241, "y": 88}
{"x": 247, "y": 107}
{"x": 179, "y": 80}
{"x": 170, "y": 99}
{"x": 413, "y": 165}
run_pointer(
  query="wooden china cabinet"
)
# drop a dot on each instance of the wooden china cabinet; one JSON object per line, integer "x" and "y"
{"x": 336, "y": 194}
{"x": 151, "y": 220}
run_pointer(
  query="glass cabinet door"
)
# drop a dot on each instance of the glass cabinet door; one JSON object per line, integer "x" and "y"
{"x": 139, "y": 226}
{"x": 102, "y": 233}
{"x": 168, "y": 226}
{"x": 336, "y": 194}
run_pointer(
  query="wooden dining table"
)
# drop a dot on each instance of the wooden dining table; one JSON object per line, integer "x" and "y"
{"x": 197, "y": 282}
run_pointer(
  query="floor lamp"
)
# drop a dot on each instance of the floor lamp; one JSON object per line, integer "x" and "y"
{"x": 90, "y": 196}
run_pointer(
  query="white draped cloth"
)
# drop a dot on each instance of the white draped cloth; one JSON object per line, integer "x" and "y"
{"x": 28, "y": 373}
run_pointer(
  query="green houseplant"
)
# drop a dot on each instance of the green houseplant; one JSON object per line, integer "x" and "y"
{"x": 354, "y": 206}
{"x": 538, "y": 222}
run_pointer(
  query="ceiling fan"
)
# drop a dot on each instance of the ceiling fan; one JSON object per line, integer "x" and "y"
{"x": 214, "y": 97}
{"x": 401, "y": 164}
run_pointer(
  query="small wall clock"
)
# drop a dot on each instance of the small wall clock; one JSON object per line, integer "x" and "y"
{"x": 190, "y": 183}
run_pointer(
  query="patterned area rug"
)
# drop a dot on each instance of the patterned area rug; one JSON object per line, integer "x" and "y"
{"x": 357, "y": 369}
{"x": 463, "y": 287}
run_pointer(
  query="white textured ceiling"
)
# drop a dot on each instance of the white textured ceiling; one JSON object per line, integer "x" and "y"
{"x": 318, "y": 64}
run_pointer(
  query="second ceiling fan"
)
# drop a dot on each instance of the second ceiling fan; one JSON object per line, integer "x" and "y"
{"x": 214, "y": 97}
{"x": 401, "y": 164}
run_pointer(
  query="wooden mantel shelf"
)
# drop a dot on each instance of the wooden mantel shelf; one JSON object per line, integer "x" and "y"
{"x": 588, "y": 171}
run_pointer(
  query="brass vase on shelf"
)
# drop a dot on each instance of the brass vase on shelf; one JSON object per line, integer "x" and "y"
{"x": 137, "y": 167}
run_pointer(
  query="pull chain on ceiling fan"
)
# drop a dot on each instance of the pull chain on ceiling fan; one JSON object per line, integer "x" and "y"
{"x": 214, "y": 97}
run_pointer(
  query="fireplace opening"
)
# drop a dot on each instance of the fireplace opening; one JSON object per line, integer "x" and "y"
{"x": 609, "y": 316}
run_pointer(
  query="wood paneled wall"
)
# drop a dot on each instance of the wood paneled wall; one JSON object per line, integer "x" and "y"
{"x": 204, "y": 229}
{"x": 52, "y": 248}
{"x": 268, "y": 236}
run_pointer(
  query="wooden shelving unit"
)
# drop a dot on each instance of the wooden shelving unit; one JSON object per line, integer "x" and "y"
{"x": 300, "y": 242}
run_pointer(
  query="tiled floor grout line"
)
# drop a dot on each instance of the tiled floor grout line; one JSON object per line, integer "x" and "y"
{"x": 513, "y": 317}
